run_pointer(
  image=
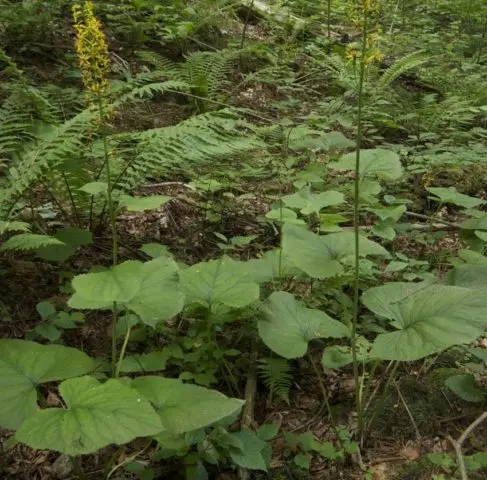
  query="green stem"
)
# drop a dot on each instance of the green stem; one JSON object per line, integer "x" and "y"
{"x": 356, "y": 227}
{"x": 328, "y": 13}
{"x": 77, "y": 468}
{"x": 381, "y": 401}
{"x": 325, "y": 396}
{"x": 113, "y": 224}
{"x": 122, "y": 352}
{"x": 111, "y": 209}
{"x": 71, "y": 198}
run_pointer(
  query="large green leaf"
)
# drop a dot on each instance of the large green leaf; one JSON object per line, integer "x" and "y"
{"x": 72, "y": 237}
{"x": 376, "y": 162}
{"x": 97, "y": 415}
{"x": 251, "y": 454}
{"x": 159, "y": 296}
{"x": 151, "y": 289}
{"x": 149, "y": 362}
{"x": 470, "y": 276}
{"x": 139, "y": 204}
{"x": 320, "y": 255}
{"x": 451, "y": 195}
{"x": 308, "y": 202}
{"x": 219, "y": 281}
{"x": 117, "y": 284}
{"x": 429, "y": 318}
{"x": 25, "y": 365}
{"x": 271, "y": 266}
{"x": 182, "y": 407}
{"x": 465, "y": 386}
{"x": 288, "y": 326}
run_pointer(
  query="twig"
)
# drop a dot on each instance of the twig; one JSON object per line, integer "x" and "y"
{"x": 457, "y": 444}
{"x": 247, "y": 420}
{"x": 168, "y": 184}
{"x": 418, "y": 435}
{"x": 433, "y": 219}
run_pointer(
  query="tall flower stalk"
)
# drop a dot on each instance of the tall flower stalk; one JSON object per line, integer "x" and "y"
{"x": 94, "y": 63}
{"x": 364, "y": 14}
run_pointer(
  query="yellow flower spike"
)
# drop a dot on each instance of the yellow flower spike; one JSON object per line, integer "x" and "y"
{"x": 91, "y": 48}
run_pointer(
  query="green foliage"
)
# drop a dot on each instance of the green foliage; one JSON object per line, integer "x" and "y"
{"x": 276, "y": 374}
{"x": 247, "y": 129}
{"x": 218, "y": 281}
{"x": 151, "y": 289}
{"x": 376, "y": 163}
{"x": 24, "y": 366}
{"x": 96, "y": 416}
{"x": 183, "y": 408}
{"x": 466, "y": 388}
{"x": 322, "y": 256}
{"x": 429, "y": 318}
{"x": 288, "y": 326}
{"x": 401, "y": 66}
{"x": 30, "y": 241}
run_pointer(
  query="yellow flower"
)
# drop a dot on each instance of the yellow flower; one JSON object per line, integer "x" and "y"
{"x": 352, "y": 53}
{"x": 428, "y": 178}
{"x": 91, "y": 48}
{"x": 359, "y": 10}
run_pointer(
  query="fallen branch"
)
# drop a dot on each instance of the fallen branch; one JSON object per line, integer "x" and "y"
{"x": 247, "y": 420}
{"x": 457, "y": 444}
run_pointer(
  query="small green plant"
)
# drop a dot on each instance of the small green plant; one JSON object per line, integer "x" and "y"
{"x": 303, "y": 446}
{"x": 54, "y": 322}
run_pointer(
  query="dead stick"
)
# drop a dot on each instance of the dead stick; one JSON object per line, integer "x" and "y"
{"x": 457, "y": 444}
{"x": 248, "y": 410}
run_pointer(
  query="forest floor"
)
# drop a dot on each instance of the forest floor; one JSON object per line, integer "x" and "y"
{"x": 419, "y": 413}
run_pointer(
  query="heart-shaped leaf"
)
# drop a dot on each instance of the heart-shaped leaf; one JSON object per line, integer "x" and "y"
{"x": 470, "y": 276}
{"x": 139, "y": 204}
{"x": 451, "y": 195}
{"x": 320, "y": 255}
{"x": 159, "y": 296}
{"x": 271, "y": 266}
{"x": 251, "y": 454}
{"x": 116, "y": 284}
{"x": 219, "y": 281}
{"x": 182, "y": 407}
{"x": 308, "y": 202}
{"x": 25, "y": 365}
{"x": 97, "y": 415}
{"x": 376, "y": 162}
{"x": 466, "y": 388}
{"x": 429, "y": 318}
{"x": 288, "y": 325}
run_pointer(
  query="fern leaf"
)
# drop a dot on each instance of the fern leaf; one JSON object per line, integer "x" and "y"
{"x": 151, "y": 89}
{"x": 56, "y": 145}
{"x": 202, "y": 139}
{"x": 401, "y": 66}
{"x": 276, "y": 375}
{"x": 29, "y": 241}
{"x": 14, "y": 226}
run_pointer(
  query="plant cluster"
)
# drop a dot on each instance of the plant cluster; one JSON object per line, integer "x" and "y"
{"x": 330, "y": 176}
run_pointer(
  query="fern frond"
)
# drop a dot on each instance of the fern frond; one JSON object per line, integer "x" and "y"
{"x": 13, "y": 226}
{"x": 401, "y": 66}
{"x": 56, "y": 145}
{"x": 201, "y": 139}
{"x": 151, "y": 89}
{"x": 15, "y": 122}
{"x": 29, "y": 241}
{"x": 208, "y": 72}
{"x": 276, "y": 374}
{"x": 159, "y": 62}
